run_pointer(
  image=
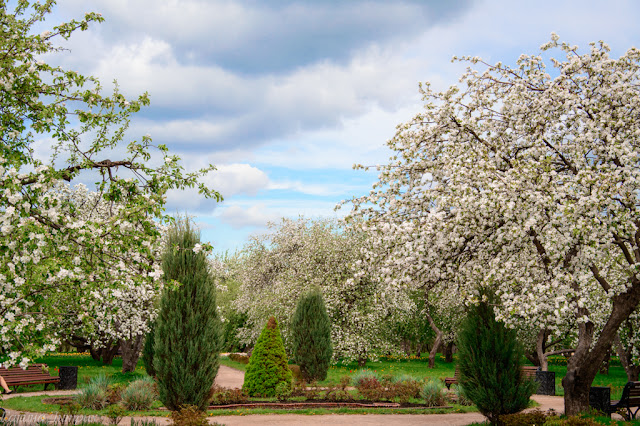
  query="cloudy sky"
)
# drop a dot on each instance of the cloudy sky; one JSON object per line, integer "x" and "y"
{"x": 284, "y": 96}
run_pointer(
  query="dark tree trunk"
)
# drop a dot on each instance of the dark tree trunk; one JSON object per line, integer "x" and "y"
{"x": 436, "y": 342}
{"x": 419, "y": 349}
{"x": 80, "y": 343}
{"x": 533, "y": 358}
{"x": 583, "y": 366}
{"x": 362, "y": 361}
{"x": 131, "y": 352}
{"x": 604, "y": 367}
{"x": 406, "y": 346}
{"x": 108, "y": 352}
{"x": 95, "y": 353}
{"x": 448, "y": 352}
{"x": 633, "y": 371}
{"x": 543, "y": 363}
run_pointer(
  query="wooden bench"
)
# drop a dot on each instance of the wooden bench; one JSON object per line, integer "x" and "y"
{"x": 448, "y": 381}
{"x": 527, "y": 371}
{"x": 630, "y": 399}
{"x": 33, "y": 375}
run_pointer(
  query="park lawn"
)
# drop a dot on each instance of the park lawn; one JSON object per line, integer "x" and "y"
{"x": 416, "y": 367}
{"x": 616, "y": 379}
{"x": 87, "y": 368}
{"x": 386, "y": 366}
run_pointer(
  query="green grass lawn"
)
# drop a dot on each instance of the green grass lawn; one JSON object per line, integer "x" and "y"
{"x": 616, "y": 379}
{"x": 87, "y": 368}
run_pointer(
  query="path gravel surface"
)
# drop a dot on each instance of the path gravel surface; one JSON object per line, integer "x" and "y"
{"x": 232, "y": 378}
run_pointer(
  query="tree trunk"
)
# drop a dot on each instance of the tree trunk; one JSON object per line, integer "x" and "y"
{"x": 406, "y": 347}
{"x": 362, "y": 361}
{"x": 419, "y": 349}
{"x": 583, "y": 366}
{"x": 131, "y": 352}
{"x": 633, "y": 371}
{"x": 542, "y": 357}
{"x": 533, "y": 358}
{"x": 448, "y": 352}
{"x": 604, "y": 367}
{"x": 108, "y": 352}
{"x": 436, "y": 342}
{"x": 95, "y": 353}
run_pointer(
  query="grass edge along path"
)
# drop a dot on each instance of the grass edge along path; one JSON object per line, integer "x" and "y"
{"x": 33, "y": 404}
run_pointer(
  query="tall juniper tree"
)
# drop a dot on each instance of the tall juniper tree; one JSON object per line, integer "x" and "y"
{"x": 187, "y": 333}
{"x": 311, "y": 337}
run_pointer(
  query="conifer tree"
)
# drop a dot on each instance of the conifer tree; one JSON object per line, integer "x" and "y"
{"x": 311, "y": 337}
{"x": 187, "y": 334}
{"x": 490, "y": 363}
{"x": 147, "y": 350}
{"x": 268, "y": 365}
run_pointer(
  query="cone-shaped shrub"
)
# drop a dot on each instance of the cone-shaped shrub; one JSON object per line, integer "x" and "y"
{"x": 311, "y": 337}
{"x": 268, "y": 363}
{"x": 147, "y": 351}
{"x": 187, "y": 333}
{"x": 490, "y": 361}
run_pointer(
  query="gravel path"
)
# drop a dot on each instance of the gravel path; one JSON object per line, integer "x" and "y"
{"x": 232, "y": 378}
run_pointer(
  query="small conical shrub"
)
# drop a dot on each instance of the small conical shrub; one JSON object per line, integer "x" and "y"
{"x": 490, "y": 363}
{"x": 187, "y": 333}
{"x": 268, "y": 363}
{"x": 311, "y": 337}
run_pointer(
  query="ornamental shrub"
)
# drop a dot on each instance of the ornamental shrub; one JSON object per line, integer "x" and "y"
{"x": 95, "y": 395}
{"x": 363, "y": 374}
{"x": 490, "y": 361}
{"x": 187, "y": 333}
{"x": 433, "y": 393}
{"x": 268, "y": 365}
{"x": 311, "y": 337}
{"x": 139, "y": 394}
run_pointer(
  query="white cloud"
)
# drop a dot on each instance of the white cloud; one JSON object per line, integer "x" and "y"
{"x": 233, "y": 179}
{"x": 254, "y": 216}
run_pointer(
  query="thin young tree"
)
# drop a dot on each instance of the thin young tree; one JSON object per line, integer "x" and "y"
{"x": 311, "y": 337}
{"x": 187, "y": 334}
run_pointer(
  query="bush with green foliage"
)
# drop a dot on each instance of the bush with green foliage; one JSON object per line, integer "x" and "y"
{"x": 311, "y": 337}
{"x": 187, "y": 334}
{"x": 139, "y": 394}
{"x": 96, "y": 395}
{"x": 433, "y": 394}
{"x": 460, "y": 397}
{"x": 189, "y": 415}
{"x": 363, "y": 374}
{"x": 268, "y": 365}
{"x": 241, "y": 358}
{"x": 490, "y": 362}
{"x": 147, "y": 350}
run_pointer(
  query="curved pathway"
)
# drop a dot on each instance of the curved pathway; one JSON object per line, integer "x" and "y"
{"x": 232, "y": 378}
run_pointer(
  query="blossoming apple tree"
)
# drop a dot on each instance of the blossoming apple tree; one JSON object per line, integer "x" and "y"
{"x": 523, "y": 179}
{"x": 49, "y": 253}
{"x": 299, "y": 255}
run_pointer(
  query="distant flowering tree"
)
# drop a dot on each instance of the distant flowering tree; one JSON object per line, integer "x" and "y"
{"x": 48, "y": 253}
{"x": 526, "y": 181}
{"x": 281, "y": 266}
